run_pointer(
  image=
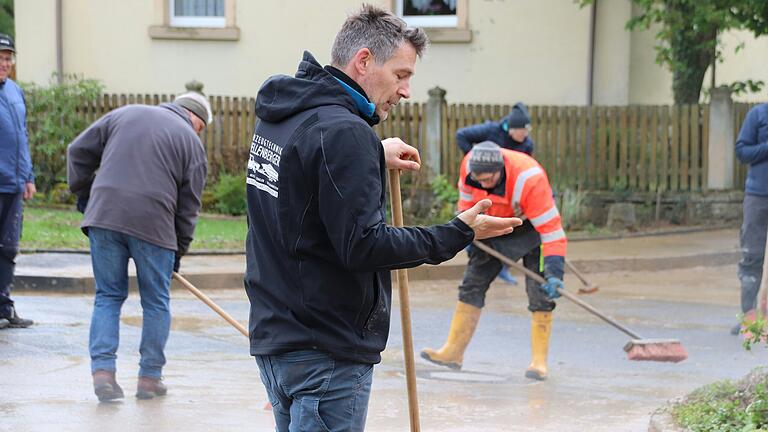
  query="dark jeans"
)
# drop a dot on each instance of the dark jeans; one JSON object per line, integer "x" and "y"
{"x": 482, "y": 268}
{"x": 10, "y": 232}
{"x": 110, "y": 251}
{"x": 752, "y": 240}
{"x": 312, "y": 391}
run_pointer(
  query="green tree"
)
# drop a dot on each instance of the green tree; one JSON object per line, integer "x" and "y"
{"x": 688, "y": 42}
{"x": 6, "y": 18}
{"x": 55, "y": 117}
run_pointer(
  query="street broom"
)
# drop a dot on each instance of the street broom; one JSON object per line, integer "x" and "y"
{"x": 639, "y": 348}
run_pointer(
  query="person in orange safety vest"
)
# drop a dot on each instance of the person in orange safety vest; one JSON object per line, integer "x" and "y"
{"x": 518, "y": 186}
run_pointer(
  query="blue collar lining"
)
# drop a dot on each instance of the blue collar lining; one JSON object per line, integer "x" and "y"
{"x": 365, "y": 107}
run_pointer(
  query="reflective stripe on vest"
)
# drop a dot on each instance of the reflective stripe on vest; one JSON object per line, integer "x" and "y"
{"x": 545, "y": 217}
{"x": 520, "y": 185}
{"x": 553, "y": 236}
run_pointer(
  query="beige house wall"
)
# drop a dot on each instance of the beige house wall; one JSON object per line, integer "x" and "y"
{"x": 35, "y": 40}
{"x": 530, "y": 50}
{"x": 612, "y": 53}
{"x": 518, "y": 49}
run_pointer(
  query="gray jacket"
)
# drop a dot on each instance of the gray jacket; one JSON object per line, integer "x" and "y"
{"x": 142, "y": 169}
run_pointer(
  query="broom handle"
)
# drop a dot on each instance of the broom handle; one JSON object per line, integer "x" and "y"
{"x": 537, "y": 277}
{"x": 578, "y": 274}
{"x": 199, "y": 294}
{"x": 405, "y": 307}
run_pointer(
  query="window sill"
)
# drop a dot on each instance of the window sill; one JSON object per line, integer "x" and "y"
{"x": 448, "y": 35}
{"x": 194, "y": 33}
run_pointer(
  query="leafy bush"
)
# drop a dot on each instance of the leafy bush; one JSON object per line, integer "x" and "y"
{"x": 229, "y": 194}
{"x": 756, "y": 332}
{"x": 54, "y": 118}
{"x": 727, "y": 406}
{"x": 572, "y": 208}
{"x": 60, "y": 194}
{"x": 446, "y": 196}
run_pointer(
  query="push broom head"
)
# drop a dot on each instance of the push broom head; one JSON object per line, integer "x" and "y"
{"x": 662, "y": 350}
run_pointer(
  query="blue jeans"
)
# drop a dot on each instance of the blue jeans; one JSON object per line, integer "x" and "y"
{"x": 311, "y": 391}
{"x": 110, "y": 251}
{"x": 10, "y": 231}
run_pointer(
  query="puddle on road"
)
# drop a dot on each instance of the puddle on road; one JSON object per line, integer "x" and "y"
{"x": 178, "y": 323}
{"x": 468, "y": 377}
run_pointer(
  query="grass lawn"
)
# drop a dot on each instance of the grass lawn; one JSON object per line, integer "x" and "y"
{"x": 46, "y": 228}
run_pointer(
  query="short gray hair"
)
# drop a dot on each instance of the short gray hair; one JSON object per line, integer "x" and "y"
{"x": 378, "y": 30}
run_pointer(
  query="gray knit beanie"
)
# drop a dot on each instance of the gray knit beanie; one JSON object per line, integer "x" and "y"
{"x": 197, "y": 104}
{"x": 485, "y": 157}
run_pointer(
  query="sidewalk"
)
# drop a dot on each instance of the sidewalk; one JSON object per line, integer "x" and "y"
{"x": 65, "y": 272}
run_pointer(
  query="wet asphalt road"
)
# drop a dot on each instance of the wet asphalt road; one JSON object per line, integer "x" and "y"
{"x": 214, "y": 384}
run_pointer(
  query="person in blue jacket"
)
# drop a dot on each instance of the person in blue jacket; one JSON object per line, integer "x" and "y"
{"x": 318, "y": 249}
{"x": 752, "y": 149}
{"x": 17, "y": 181}
{"x": 512, "y": 133}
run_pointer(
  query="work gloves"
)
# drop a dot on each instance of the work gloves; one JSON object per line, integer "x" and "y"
{"x": 554, "y": 267}
{"x": 176, "y": 263}
{"x": 551, "y": 287}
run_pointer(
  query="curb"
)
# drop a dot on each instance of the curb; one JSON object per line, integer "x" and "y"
{"x": 234, "y": 280}
{"x": 575, "y": 238}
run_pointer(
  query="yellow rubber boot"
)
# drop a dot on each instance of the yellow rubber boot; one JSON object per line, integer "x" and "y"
{"x": 541, "y": 327}
{"x": 463, "y": 326}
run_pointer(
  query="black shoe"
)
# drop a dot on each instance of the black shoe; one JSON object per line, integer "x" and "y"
{"x": 15, "y": 321}
{"x": 735, "y": 330}
{"x": 4, "y": 323}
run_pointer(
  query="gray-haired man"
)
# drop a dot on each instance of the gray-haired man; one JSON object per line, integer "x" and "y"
{"x": 319, "y": 256}
{"x": 141, "y": 204}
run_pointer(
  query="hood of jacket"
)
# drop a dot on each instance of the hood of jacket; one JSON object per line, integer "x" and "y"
{"x": 283, "y": 96}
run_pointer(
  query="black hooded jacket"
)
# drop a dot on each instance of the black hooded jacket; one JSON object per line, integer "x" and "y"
{"x": 319, "y": 251}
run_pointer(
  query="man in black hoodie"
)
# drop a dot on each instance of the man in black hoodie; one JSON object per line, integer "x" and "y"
{"x": 319, "y": 251}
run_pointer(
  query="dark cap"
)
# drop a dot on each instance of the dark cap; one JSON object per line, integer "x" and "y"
{"x": 6, "y": 43}
{"x": 485, "y": 157}
{"x": 518, "y": 118}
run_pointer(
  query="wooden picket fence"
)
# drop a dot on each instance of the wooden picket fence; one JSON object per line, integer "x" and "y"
{"x": 226, "y": 140}
{"x": 642, "y": 148}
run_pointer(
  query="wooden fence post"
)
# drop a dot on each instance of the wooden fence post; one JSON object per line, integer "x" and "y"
{"x": 721, "y": 145}
{"x": 434, "y": 132}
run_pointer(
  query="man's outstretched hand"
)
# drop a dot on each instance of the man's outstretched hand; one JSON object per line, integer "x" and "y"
{"x": 486, "y": 226}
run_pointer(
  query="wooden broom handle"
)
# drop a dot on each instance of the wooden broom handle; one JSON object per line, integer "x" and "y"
{"x": 405, "y": 307}
{"x": 589, "y": 285}
{"x": 508, "y": 261}
{"x": 199, "y": 294}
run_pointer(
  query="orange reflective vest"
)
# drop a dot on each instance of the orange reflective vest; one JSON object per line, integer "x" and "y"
{"x": 527, "y": 195}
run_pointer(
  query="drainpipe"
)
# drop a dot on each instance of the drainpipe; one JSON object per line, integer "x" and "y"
{"x": 59, "y": 43}
{"x": 591, "y": 53}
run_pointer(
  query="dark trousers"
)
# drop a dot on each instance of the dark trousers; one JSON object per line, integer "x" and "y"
{"x": 752, "y": 240}
{"x": 482, "y": 268}
{"x": 10, "y": 231}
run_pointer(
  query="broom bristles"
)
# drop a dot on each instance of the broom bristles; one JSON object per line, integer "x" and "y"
{"x": 662, "y": 350}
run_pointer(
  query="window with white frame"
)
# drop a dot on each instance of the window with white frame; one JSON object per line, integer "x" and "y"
{"x": 428, "y": 13}
{"x": 197, "y": 13}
